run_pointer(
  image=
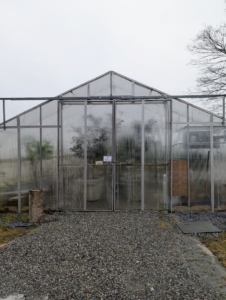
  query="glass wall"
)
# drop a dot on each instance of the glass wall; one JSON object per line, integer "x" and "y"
{"x": 114, "y": 154}
{"x": 8, "y": 170}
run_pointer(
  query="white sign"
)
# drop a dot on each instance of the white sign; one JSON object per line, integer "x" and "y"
{"x": 107, "y": 158}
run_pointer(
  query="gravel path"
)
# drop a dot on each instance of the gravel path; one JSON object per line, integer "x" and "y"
{"x": 121, "y": 255}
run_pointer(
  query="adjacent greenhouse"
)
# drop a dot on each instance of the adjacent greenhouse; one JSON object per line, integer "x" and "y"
{"x": 114, "y": 144}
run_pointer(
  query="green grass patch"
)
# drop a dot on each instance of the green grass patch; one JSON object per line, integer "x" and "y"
{"x": 217, "y": 245}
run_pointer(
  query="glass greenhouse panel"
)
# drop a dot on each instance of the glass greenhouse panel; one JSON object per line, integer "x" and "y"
{"x": 180, "y": 194}
{"x": 155, "y": 141}
{"x": 49, "y": 113}
{"x": 196, "y": 115}
{"x": 72, "y": 134}
{"x": 128, "y": 187}
{"x": 9, "y": 171}
{"x": 99, "y": 145}
{"x": 30, "y": 160}
{"x": 81, "y": 91}
{"x": 217, "y": 120}
{"x": 140, "y": 90}
{"x": 99, "y": 187}
{"x": 31, "y": 118}
{"x": 128, "y": 155}
{"x": 121, "y": 86}
{"x": 219, "y": 157}
{"x": 71, "y": 170}
{"x": 155, "y": 93}
{"x": 200, "y": 167}
{"x": 179, "y": 111}
{"x": 49, "y": 167}
{"x": 12, "y": 122}
{"x": 71, "y": 187}
{"x": 100, "y": 86}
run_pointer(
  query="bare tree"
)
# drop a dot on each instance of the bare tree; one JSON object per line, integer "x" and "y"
{"x": 209, "y": 48}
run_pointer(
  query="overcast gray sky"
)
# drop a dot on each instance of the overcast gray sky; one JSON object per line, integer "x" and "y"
{"x": 50, "y": 46}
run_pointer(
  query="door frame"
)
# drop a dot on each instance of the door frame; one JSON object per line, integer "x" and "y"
{"x": 113, "y": 102}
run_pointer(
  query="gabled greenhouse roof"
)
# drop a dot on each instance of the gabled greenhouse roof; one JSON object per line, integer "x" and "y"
{"x": 112, "y": 84}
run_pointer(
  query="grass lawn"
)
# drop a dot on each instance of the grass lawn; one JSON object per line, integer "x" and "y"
{"x": 6, "y": 233}
{"x": 217, "y": 245}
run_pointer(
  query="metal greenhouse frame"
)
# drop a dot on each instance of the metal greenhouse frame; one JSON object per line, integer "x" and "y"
{"x": 113, "y": 143}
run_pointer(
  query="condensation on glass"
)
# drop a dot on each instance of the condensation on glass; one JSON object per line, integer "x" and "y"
{"x": 128, "y": 155}
{"x": 114, "y": 154}
{"x": 8, "y": 170}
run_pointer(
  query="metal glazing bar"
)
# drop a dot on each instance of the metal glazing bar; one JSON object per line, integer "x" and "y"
{"x": 223, "y": 111}
{"x": 113, "y": 155}
{"x": 40, "y": 148}
{"x": 142, "y": 157}
{"x": 188, "y": 161}
{"x": 85, "y": 155}
{"x": 211, "y": 168}
{"x": 58, "y": 157}
{"x": 171, "y": 155}
{"x": 19, "y": 166}
{"x": 3, "y": 103}
{"x": 163, "y": 96}
{"x": 110, "y": 84}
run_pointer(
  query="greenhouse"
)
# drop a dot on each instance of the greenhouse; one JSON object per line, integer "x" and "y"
{"x": 114, "y": 144}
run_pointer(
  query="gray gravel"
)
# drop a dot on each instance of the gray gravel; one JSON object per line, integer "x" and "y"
{"x": 121, "y": 255}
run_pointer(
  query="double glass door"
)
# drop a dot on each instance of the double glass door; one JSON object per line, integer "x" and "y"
{"x": 113, "y": 155}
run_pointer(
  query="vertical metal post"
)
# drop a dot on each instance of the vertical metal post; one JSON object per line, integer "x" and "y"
{"x": 113, "y": 155}
{"x": 171, "y": 154}
{"x": 19, "y": 165}
{"x": 211, "y": 168}
{"x": 166, "y": 177}
{"x": 133, "y": 89}
{"x": 40, "y": 147}
{"x": 3, "y": 103}
{"x": 188, "y": 160}
{"x": 111, "y": 84}
{"x": 58, "y": 155}
{"x": 142, "y": 157}
{"x": 85, "y": 155}
{"x": 223, "y": 111}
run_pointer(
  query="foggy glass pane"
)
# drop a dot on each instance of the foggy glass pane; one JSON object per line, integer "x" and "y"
{"x": 9, "y": 171}
{"x": 196, "y": 115}
{"x": 128, "y": 187}
{"x": 30, "y": 159}
{"x": 121, "y": 86}
{"x": 71, "y": 187}
{"x": 49, "y": 167}
{"x": 78, "y": 92}
{"x": 49, "y": 113}
{"x": 179, "y": 111}
{"x": 30, "y": 118}
{"x": 219, "y": 157}
{"x": 154, "y": 93}
{"x": 100, "y": 86}
{"x": 99, "y": 144}
{"x": 99, "y": 132}
{"x": 71, "y": 171}
{"x": 72, "y": 145}
{"x": 128, "y": 155}
{"x": 180, "y": 166}
{"x": 12, "y": 122}
{"x": 140, "y": 90}
{"x": 217, "y": 119}
{"x": 99, "y": 187}
{"x": 155, "y": 175}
